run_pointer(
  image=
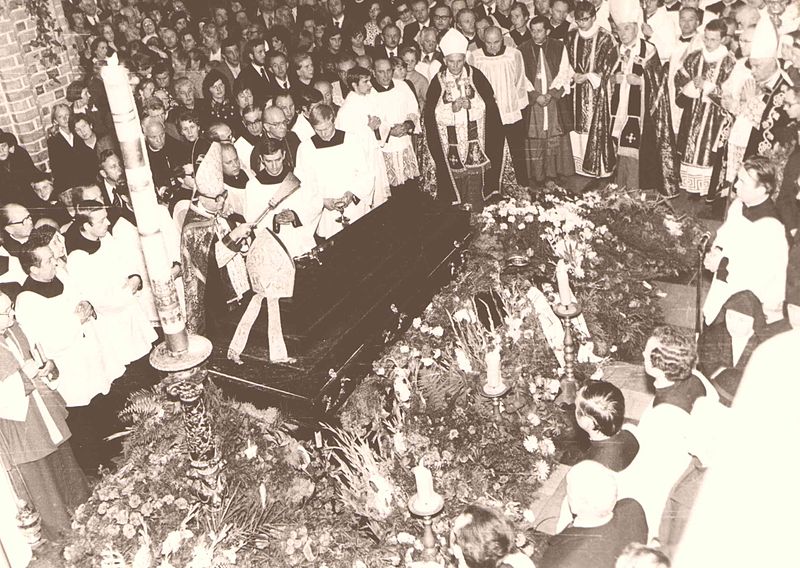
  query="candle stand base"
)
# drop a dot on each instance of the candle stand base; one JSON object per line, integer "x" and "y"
{"x": 494, "y": 394}
{"x": 569, "y": 385}
{"x": 426, "y": 511}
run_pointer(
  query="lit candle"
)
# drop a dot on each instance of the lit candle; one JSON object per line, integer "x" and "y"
{"x": 494, "y": 380}
{"x": 424, "y": 479}
{"x": 562, "y": 279}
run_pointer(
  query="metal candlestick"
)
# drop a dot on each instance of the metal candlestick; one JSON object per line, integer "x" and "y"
{"x": 569, "y": 386}
{"x": 427, "y": 511}
{"x": 494, "y": 395}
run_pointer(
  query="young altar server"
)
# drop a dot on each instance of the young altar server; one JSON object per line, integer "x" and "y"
{"x": 103, "y": 275}
{"x": 296, "y": 207}
{"x": 57, "y": 319}
{"x": 34, "y": 446}
{"x": 359, "y": 118}
{"x": 590, "y": 48}
{"x": 700, "y": 78}
{"x": 332, "y": 165}
{"x": 750, "y": 251}
{"x": 504, "y": 68}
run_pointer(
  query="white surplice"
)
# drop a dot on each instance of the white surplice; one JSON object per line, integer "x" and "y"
{"x": 101, "y": 278}
{"x": 332, "y": 168}
{"x": 86, "y": 366}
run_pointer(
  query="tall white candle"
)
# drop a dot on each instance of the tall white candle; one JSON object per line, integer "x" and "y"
{"x": 562, "y": 279}
{"x": 424, "y": 480}
{"x": 494, "y": 379}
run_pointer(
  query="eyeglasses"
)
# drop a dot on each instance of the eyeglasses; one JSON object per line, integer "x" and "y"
{"x": 21, "y": 221}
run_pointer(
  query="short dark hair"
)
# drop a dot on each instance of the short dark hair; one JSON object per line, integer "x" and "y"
{"x": 486, "y": 538}
{"x": 585, "y": 9}
{"x": 764, "y": 171}
{"x": 717, "y": 25}
{"x": 675, "y": 354}
{"x": 84, "y": 209}
{"x": 357, "y": 73}
{"x": 604, "y": 403}
{"x": 320, "y": 113}
{"x": 77, "y": 117}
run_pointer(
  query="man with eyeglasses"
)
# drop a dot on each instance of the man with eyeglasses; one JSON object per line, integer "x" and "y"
{"x": 249, "y": 133}
{"x": 213, "y": 246}
{"x": 276, "y": 126}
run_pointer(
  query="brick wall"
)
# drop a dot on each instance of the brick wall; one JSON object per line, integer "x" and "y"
{"x": 27, "y": 91}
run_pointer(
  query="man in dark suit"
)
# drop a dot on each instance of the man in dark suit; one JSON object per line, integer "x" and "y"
{"x": 254, "y": 75}
{"x": 391, "y": 44}
{"x": 231, "y": 65}
{"x": 421, "y": 12}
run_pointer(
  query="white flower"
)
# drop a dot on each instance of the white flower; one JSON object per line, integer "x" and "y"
{"x": 546, "y": 447}
{"x": 406, "y": 538}
{"x": 553, "y": 386}
{"x": 529, "y": 516}
{"x": 542, "y": 470}
{"x": 531, "y": 443}
{"x": 463, "y": 361}
{"x": 532, "y": 417}
{"x": 251, "y": 451}
{"x": 417, "y": 322}
{"x": 400, "y": 445}
{"x": 437, "y": 331}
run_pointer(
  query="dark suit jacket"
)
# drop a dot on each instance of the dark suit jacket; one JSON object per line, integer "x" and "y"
{"x": 380, "y": 52}
{"x": 260, "y": 87}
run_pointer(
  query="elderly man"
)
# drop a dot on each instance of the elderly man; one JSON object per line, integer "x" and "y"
{"x": 547, "y": 143}
{"x": 104, "y": 277}
{"x": 212, "y": 247}
{"x": 35, "y": 449}
{"x": 332, "y": 165}
{"x": 59, "y": 320}
{"x": 276, "y": 126}
{"x": 590, "y": 47}
{"x": 641, "y": 123}
{"x": 466, "y": 141}
{"x": 504, "y": 67}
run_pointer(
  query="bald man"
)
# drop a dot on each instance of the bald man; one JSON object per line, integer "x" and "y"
{"x": 276, "y": 126}
{"x": 505, "y": 70}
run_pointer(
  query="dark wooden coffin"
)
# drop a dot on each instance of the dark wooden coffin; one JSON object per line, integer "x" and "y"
{"x": 353, "y": 294}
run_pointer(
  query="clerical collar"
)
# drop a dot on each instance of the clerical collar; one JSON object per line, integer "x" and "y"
{"x": 763, "y": 210}
{"x": 239, "y": 181}
{"x": 84, "y": 244}
{"x": 266, "y": 178}
{"x": 380, "y": 88}
{"x": 498, "y": 54}
{"x": 319, "y": 143}
{"x": 45, "y": 289}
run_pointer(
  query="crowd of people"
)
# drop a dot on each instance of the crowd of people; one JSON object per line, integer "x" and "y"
{"x": 325, "y": 110}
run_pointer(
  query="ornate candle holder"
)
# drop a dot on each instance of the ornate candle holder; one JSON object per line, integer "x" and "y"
{"x": 569, "y": 385}
{"x": 426, "y": 510}
{"x": 494, "y": 394}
